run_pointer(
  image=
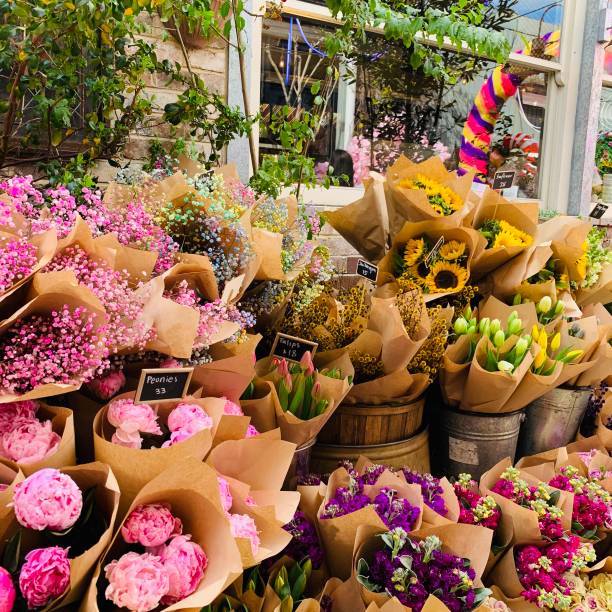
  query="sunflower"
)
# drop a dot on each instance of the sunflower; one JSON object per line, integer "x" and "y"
{"x": 418, "y": 272}
{"x": 507, "y": 239}
{"x": 452, "y": 250}
{"x": 413, "y": 251}
{"x": 524, "y": 237}
{"x": 446, "y": 277}
{"x": 442, "y": 199}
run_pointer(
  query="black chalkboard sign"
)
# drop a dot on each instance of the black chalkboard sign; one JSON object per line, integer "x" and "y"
{"x": 161, "y": 384}
{"x": 503, "y": 179}
{"x": 292, "y": 348}
{"x": 367, "y": 270}
{"x": 599, "y": 211}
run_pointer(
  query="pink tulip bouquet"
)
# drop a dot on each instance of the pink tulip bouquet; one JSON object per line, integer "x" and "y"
{"x": 61, "y": 522}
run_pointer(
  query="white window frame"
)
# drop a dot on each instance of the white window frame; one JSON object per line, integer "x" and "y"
{"x": 562, "y": 93}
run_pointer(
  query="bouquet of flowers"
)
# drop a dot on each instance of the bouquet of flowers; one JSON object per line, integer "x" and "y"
{"x": 413, "y": 567}
{"x": 476, "y": 509}
{"x": 61, "y": 521}
{"x": 433, "y": 256}
{"x": 300, "y": 399}
{"x": 174, "y": 546}
{"x": 597, "y": 262}
{"x": 34, "y": 435}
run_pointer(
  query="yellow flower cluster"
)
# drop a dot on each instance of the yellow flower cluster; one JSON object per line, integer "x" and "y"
{"x": 582, "y": 262}
{"x": 509, "y": 235}
{"x": 442, "y": 199}
{"x": 367, "y": 367}
{"x": 430, "y": 356}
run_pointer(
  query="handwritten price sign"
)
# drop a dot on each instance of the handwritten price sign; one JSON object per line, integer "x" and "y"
{"x": 162, "y": 384}
{"x": 291, "y": 348}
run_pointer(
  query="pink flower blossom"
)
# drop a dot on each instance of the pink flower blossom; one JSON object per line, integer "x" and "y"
{"x": 189, "y": 418}
{"x": 251, "y": 432}
{"x": 170, "y": 362}
{"x": 7, "y": 591}
{"x": 359, "y": 150}
{"x": 47, "y": 499}
{"x": 136, "y": 582}
{"x": 231, "y": 408}
{"x": 127, "y": 439}
{"x": 176, "y": 437}
{"x": 226, "y": 495}
{"x": 130, "y": 417}
{"x": 13, "y": 412}
{"x": 44, "y": 576}
{"x": 17, "y": 259}
{"x": 30, "y": 442}
{"x": 151, "y": 525}
{"x": 185, "y": 562}
{"x": 243, "y": 526}
{"x": 108, "y": 385}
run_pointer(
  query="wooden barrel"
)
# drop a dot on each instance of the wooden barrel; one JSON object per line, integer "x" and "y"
{"x": 413, "y": 453}
{"x": 357, "y": 424}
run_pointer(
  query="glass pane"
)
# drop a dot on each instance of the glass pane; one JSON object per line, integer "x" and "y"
{"x": 398, "y": 111}
{"x": 602, "y": 169}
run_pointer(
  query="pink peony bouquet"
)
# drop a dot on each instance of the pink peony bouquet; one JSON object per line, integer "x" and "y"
{"x": 62, "y": 523}
{"x": 167, "y": 567}
{"x": 24, "y": 438}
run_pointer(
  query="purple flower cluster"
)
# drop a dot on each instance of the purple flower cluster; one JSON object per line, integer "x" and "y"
{"x": 305, "y": 543}
{"x": 411, "y": 571}
{"x": 394, "y": 511}
{"x": 431, "y": 490}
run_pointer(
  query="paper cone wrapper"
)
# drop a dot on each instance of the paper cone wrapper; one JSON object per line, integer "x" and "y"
{"x": 508, "y": 279}
{"x": 473, "y": 240}
{"x": 432, "y": 519}
{"x": 537, "y": 291}
{"x": 151, "y": 462}
{"x": 262, "y": 406}
{"x": 521, "y": 216}
{"x": 505, "y": 576}
{"x": 364, "y": 224}
{"x": 522, "y": 521}
{"x": 191, "y": 489}
{"x": 601, "y": 292}
{"x": 63, "y": 425}
{"x": 516, "y": 604}
{"x": 197, "y": 271}
{"x": 412, "y": 204}
{"x": 42, "y": 304}
{"x": 502, "y": 538}
{"x": 394, "y": 605}
{"x": 602, "y": 356}
{"x": 230, "y": 373}
{"x": 46, "y": 245}
{"x": 338, "y": 534}
{"x": 259, "y": 462}
{"x": 268, "y": 247}
{"x": 137, "y": 263}
{"x": 454, "y": 372}
{"x": 490, "y": 391}
{"x": 9, "y": 477}
{"x": 534, "y": 386}
{"x": 496, "y": 309}
{"x": 603, "y": 433}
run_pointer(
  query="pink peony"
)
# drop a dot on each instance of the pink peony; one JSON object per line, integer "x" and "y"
{"x": 44, "y": 576}
{"x": 16, "y": 412}
{"x": 136, "y": 582}
{"x": 125, "y": 414}
{"x": 127, "y": 439}
{"x": 185, "y": 563}
{"x": 231, "y": 408}
{"x": 30, "y": 442}
{"x": 251, "y": 432}
{"x": 243, "y": 526}
{"x": 151, "y": 525}
{"x": 47, "y": 499}
{"x": 170, "y": 362}
{"x": 107, "y": 386}
{"x": 225, "y": 493}
{"x": 189, "y": 418}
{"x": 175, "y": 437}
{"x": 7, "y": 591}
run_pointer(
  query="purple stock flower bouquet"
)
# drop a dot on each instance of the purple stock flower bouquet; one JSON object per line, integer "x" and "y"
{"x": 412, "y": 570}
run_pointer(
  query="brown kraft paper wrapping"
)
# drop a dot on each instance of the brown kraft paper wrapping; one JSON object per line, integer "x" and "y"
{"x": 338, "y": 534}
{"x": 151, "y": 462}
{"x": 365, "y": 223}
{"x": 63, "y": 425}
{"x": 600, "y": 292}
{"x": 454, "y": 371}
{"x": 9, "y": 477}
{"x": 516, "y": 604}
{"x": 190, "y": 487}
{"x": 490, "y": 391}
{"x": 197, "y": 271}
{"x": 44, "y": 303}
{"x": 496, "y": 309}
{"x": 412, "y": 204}
{"x": 261, "y": 407}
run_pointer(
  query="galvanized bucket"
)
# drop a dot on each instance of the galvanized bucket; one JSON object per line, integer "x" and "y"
{"x": 553, "y": 420}
{"x": 473, "y": 442}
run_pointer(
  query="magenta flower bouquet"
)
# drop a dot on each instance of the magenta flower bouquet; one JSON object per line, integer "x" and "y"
{"x": 61, "y": 523}
{"x": 475, "y": 508}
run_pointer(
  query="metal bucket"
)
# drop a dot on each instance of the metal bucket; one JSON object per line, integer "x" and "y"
{"x": 553, "y": 420}
{"x": 473, "y": 442}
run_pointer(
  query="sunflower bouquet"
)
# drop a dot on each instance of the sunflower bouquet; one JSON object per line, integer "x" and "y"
{"x": 426, "y": 191}
{"x": 436, "y": 259}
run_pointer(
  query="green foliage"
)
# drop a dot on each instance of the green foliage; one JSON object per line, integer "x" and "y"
{"x": 76, "y": 74}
